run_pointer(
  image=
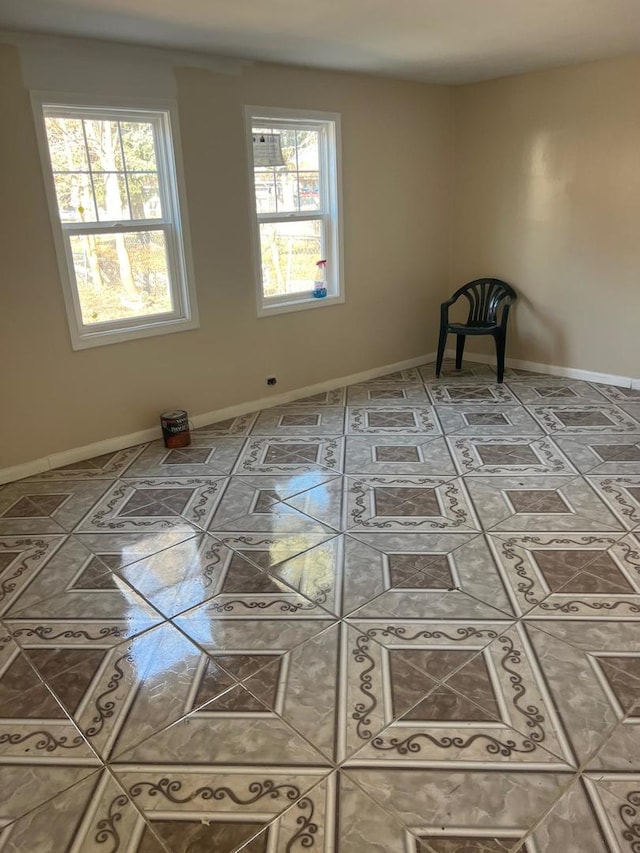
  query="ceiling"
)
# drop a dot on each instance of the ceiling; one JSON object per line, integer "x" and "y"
{"x": 443, "y": 41}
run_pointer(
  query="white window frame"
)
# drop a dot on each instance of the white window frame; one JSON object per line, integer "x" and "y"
{"x": 331, "y": 190}
{"x": 164, "y": 117}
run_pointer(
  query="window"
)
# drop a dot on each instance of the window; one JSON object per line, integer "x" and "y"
{"x": 114, "y": 199}
{"x": 295, "y": 171}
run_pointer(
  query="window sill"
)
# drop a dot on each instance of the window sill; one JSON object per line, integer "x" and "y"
{"x": 114, "y": 336}
{"x": 307, "y": 302}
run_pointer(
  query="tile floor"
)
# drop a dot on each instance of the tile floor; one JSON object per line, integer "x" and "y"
{"x": 400, "y": 617}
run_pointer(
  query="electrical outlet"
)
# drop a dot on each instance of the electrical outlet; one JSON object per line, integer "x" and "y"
{"x": 271, "y": 380}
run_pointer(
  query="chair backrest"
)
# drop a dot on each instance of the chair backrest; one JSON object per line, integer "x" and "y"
{"x": 484, "y": 296}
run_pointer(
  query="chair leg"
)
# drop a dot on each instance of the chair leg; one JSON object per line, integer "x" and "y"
{"x": 460, "y": 350}
{"x": 500, "y": 347}
{"x": 442, "y": 342}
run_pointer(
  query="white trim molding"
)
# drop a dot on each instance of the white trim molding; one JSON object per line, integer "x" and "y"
{"x": 329, "y": 215}
{"x": 171, "y": 222}
{"x": 108, "y": 445}
{"x": 120, "y": 442}
{"x": 554, "y": 370}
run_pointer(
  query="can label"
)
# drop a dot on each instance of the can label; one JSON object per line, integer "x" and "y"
{"x": 175, "y": 428}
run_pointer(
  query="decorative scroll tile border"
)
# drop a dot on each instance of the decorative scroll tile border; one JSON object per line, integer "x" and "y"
{"x": 531, "y": 596}
{"x": 198, "y": 510}
{"x": 615, "y": 492}
{"x": 531, "y": 734}
{"x": 457, "y": 510}
{"x": 468, "y": 460}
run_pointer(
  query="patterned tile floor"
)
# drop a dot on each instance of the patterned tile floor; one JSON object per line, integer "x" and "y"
{"x": 400, "y": 617}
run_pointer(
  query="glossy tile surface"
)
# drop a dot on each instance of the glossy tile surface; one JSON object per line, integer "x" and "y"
{"x": 400, "y": 617}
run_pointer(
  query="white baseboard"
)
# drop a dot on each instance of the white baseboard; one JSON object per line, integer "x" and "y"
{"x": 119, "y": 442}
{"x": 307, "y": 391}
{"x": 108, "y": 445}
{"x": 553, "y": 370}
{"x": 26, "y": 469}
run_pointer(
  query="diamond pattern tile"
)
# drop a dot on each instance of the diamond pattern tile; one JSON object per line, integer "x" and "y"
{"x": 401, "y": 616}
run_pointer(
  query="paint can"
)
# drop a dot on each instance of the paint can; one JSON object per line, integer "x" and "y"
{"x": 175, "y": 428}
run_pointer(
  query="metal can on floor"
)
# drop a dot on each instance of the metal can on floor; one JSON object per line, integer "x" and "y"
{"x": 175, "y": 428}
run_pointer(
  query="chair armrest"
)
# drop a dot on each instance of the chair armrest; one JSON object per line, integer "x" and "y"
{"x": 450, "y": 301}
{"x": 506, "y": 305}
{"x": 444, "y": 309}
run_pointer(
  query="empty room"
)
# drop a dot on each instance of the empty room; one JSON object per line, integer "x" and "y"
{"x": 320, "y": 426}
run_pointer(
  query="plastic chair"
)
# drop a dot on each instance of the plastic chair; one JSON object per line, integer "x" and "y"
{"x": 485, "y": 296}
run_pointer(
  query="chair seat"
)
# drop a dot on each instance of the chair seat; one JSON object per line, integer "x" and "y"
{"x": 478, "y": 329}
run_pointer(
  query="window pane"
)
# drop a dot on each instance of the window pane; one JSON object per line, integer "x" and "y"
{"x": 144, "y": 193}
{"x": 69, "y": 140}
{"x": 286, "y": 192}
{"x": 289, "y": 151}
{"x": 309, "y": 190}
{"x": 139, "y": 146}
{"x": 289, "y": 252}
{"x": 66, "y": 145}
{"x": 111, "y": 196}
{"x": 103, "y": 140}
{"x": 296, "y": 185}
{"x": 121, "y": 275}
{"x": 75, "y": 199}
{"x": 265, "y": 187}
{"x": 307, "y": 142}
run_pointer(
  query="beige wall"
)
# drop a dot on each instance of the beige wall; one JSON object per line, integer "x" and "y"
{"x": 548, "y": 198}
{"x": 545, "y": 182}
{"x": 396, "y": 143}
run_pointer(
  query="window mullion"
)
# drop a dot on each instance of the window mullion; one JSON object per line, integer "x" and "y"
{"x": 297, "y": 168}
{"x": 115, "y": 227}
{"x": 124, "y": 169}
{"x": 93, "y": 188}
{"x": 302, "y": 216}
{"x": 275, "y": 187}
